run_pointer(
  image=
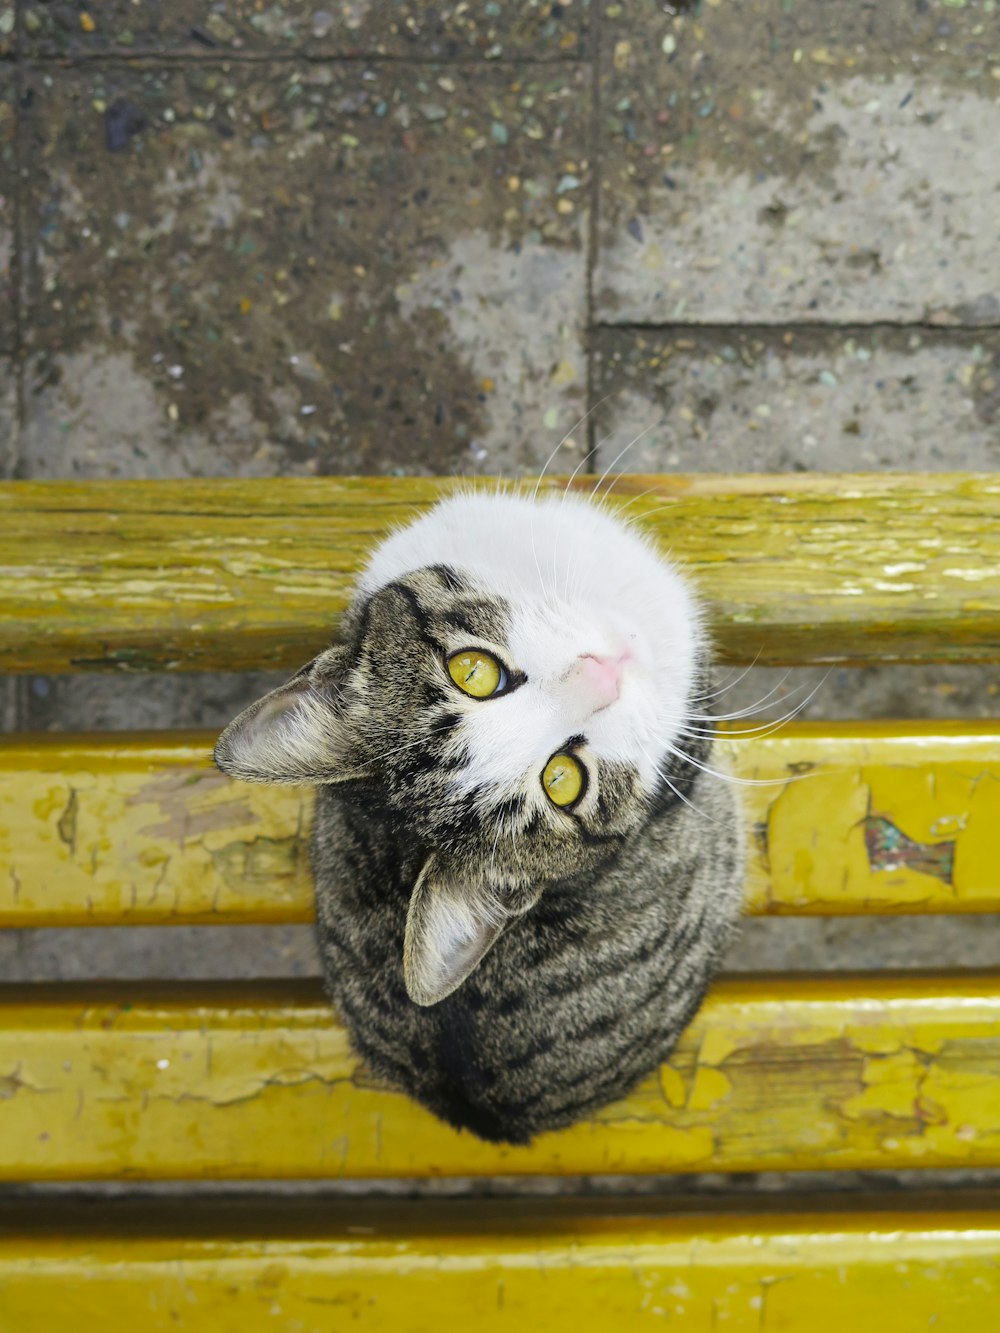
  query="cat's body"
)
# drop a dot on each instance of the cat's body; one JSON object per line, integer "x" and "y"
{"x": 576, "y": 1001}
{"x": 526, "y": 870}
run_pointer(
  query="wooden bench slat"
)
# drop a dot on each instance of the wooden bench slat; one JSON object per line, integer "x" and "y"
{"x": 239, "y": 574}
{"x": 141, "y": 829}
{"x": 781, "y": 1073}
{"x": 493, "y": 1265}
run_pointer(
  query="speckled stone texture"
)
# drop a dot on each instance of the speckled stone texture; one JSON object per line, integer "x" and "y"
{"x": 8, "y": 188}
{"x": 8, "y": 416}
{"x": 262, "y": 238}
{"x": 770, "y": 160}
{"x": 401, "y": 28}
{"x": 752, "y": 399}
{"x": 299, "y": 268}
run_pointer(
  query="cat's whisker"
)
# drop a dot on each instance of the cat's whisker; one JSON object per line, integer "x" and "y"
{"x": 567, "y": 490}
{"x": 712, "y": 718}
{"x": 594, "y": 498}
{"x": 732, "y": 778}
{"x": 714, "y": 694}
{"x": 658, "y": 770}
{"x": 582, "y": 421}
{"x": 621, "y": 511}
{"x": 596, "y": 492}
{"x": 765, "y": 728}
{"x": 545, "y": 468}
{"x": 758, "y": 706}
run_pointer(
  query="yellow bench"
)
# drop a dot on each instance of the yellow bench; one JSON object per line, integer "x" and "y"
{"x": 254, "y": 1082}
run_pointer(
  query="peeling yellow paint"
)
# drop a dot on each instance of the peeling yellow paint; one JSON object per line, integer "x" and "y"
{"x": 977, "y": 848}
{"x": 260, "y": 1082}
{"x": 536, "y": 1264}
{"x": 672, "y": 1086}
{"x": 708, "y": 1089}
{"x": 935, "y": 783}
{"x": 132, "y": 829}
{"x": 889, "y": 1087}
{"x": 793, "y": 566}
{"x": 159, "y": 837}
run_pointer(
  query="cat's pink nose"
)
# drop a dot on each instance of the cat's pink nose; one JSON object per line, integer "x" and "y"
{"x": 603, "y": 676}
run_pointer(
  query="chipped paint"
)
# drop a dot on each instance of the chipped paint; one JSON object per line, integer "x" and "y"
{"x": 791, "y": 1073}
{"x": 126, "y": 829}
{"x": 502, "y": 1264}
{"x": 159, "y": 836}
{"x": 775, "y": 557}
{"x": 889, "y": 848}
{"x": 876, "y": 817}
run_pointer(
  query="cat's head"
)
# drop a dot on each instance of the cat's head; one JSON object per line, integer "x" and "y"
{"x": 507, "y": 691}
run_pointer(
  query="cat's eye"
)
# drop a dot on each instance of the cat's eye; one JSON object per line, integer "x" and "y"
{"x": 477, "y": 673}
{"x": 564, "y": 779}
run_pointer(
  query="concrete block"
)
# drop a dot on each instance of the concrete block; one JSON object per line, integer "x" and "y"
{"x": 8, "y": 195}
{"x": 403, "y": 28}
{"x": 761, "y": 399}
{"x": 766, "y": 161}
{"x": 295, "y": 268}
{"x": 9, "y": 434}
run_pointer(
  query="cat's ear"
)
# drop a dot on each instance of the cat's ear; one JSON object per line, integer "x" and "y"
{"x": 294, "y": 734}
{"x": 451, "y": 925}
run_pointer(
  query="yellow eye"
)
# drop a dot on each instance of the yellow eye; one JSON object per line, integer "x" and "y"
{"x": 476, "y": 673}
{"x": 564, "y": 779}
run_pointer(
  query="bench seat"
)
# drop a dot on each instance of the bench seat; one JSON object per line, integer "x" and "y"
{"x": 630, "y": 1265}
{"x": 254, "y": 1082}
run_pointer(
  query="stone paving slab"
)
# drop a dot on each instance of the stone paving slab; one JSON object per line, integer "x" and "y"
{"x": 775, "y": 160}
{"x": 484, "y": 29}
{"x": 254, "y": 952}
{"x": 772, "y": 400}
{"x": 271, "y": 269}
{"x": 8, "y": 181}
{"x": 8, "y": 417}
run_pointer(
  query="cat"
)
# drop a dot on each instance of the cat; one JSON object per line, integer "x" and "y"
{"x": 527, "y": 862}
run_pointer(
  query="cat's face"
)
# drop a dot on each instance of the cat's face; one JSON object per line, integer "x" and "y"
{"x": 507, "y": 692}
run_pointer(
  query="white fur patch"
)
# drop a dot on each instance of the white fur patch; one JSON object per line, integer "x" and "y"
{"x": 579, "y": 582}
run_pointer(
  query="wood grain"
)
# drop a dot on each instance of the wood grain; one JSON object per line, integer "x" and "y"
{"x": 813, "y": 1266}
{"x": 138, "y": 1081}
{"x": 143, "y": 830}
{"x": 252, "y": 574}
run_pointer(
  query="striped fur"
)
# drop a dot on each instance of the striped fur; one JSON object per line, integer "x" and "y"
{"x": 511, "y": 965}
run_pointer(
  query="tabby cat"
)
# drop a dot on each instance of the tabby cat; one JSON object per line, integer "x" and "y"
{"x": 527, "y": 864}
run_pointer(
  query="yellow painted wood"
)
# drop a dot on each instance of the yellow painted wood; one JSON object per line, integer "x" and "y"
{"x": 791, "y": 1073}
{"x": 498, "y": 1266}
{"x": 239, "y": 574}
{"x": 885, "y": 817}
{"x": 142, "y": 829}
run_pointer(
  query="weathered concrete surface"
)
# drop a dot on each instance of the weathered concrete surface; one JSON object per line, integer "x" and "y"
{"x": 540, "y": 29}
{"x": 8, "y": 30}
{"x": 415, "y": 236}
{"x": 302, "y": 268}
{"x": 817, "y": 944}
{"x": 171, "y": 952}
{"x": 8, "y": 185}
{"x": 748, "y": 400}
{"x": 8, "y": 417}
{"x": 768, "y": 160}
